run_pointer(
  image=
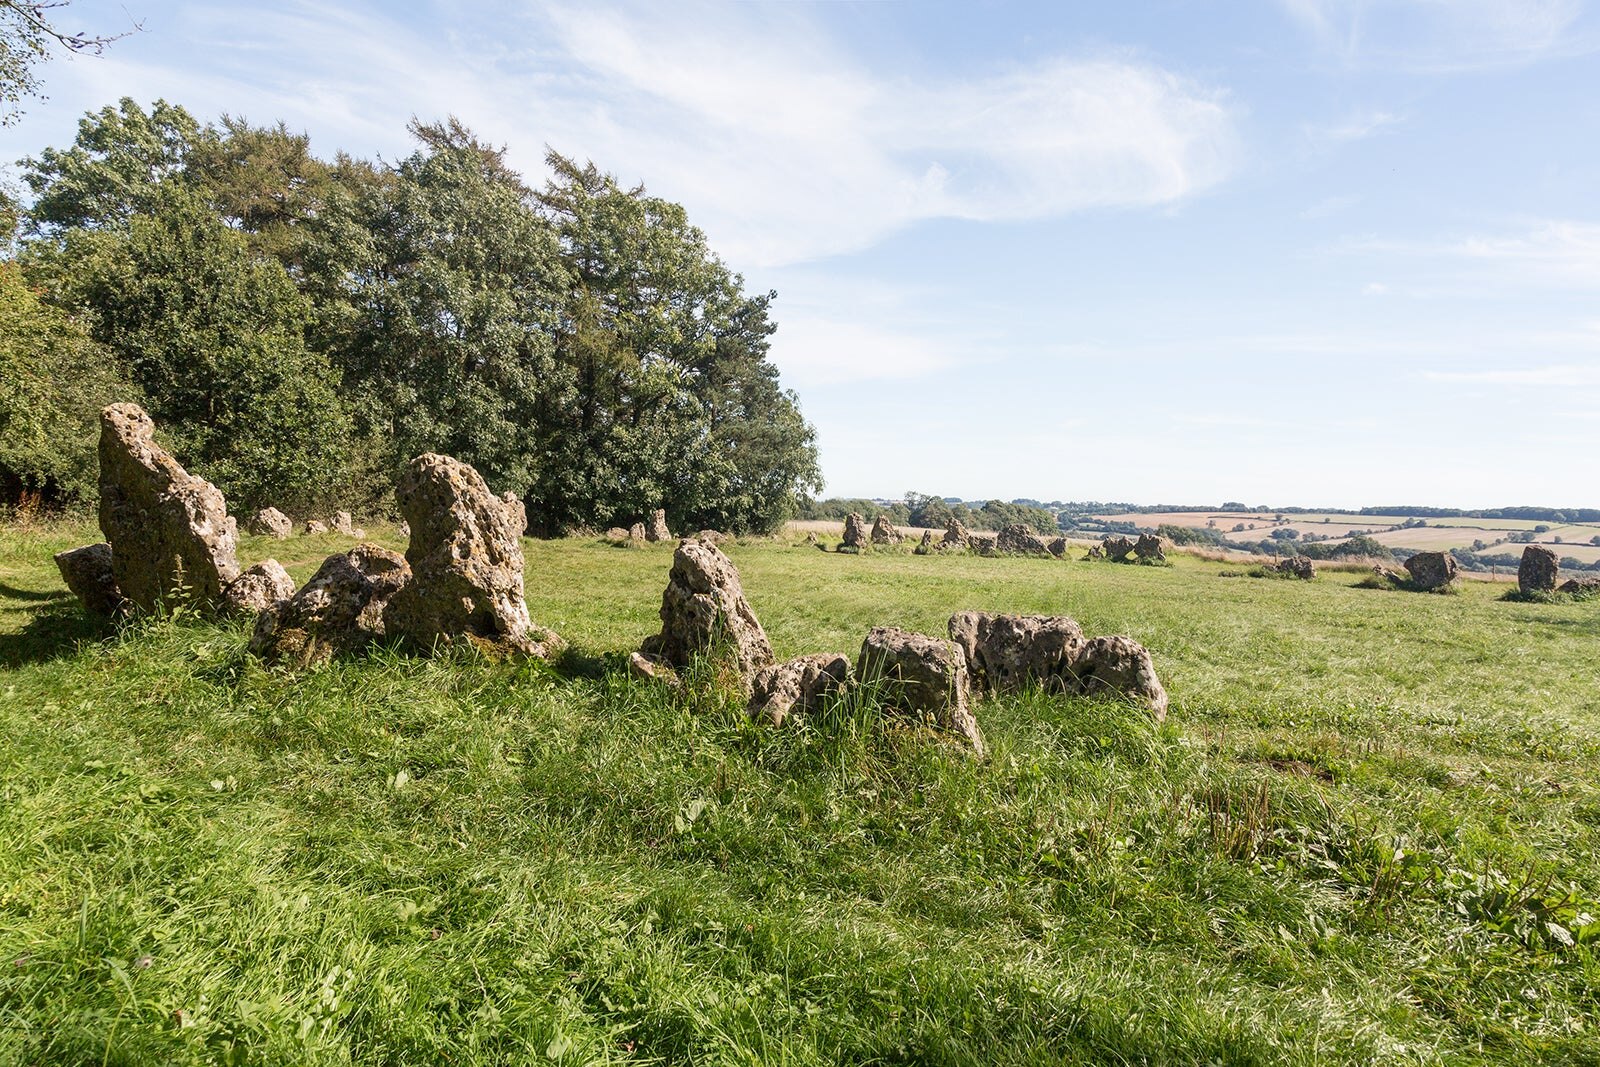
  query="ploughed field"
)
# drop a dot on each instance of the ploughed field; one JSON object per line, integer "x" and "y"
{"x": 1366, "y": 833}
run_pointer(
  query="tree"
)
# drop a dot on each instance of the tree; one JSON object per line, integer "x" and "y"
{"x": 27, "y": 33}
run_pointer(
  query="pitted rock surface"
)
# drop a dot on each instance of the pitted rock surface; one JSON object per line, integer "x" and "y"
{"x": 89, "y": 574}
{"x": 337, "y": 612}
{"x": 466, "y": 563}
{"x": 1432, "y": 570}
{"x": 704, "y": 612}
{"x": 1117, "y": 549}
{"x": 1017, "y": 539}
{"x": 171, "y": 537}
{"x": 1150, "y": 547}
{"x": 884, "y": 533}
{"x": 1007, "y": 652}
{"x": 636, "y": 532}
{"x": 517, "y": 510}
{"x": 956, "y": 536}
{"x": 925, "y": 546}
{"x": 923, "y": 677}
{"x": 1539, "y": 570}
{"x": 797, "y": 687}
{"x": 258, "y": 588}
{"x": 269, "y": 522}
{"x": 657, "y": 530}
{"x": 855, "y": 532}
{"x": 1301, "y": 567}
{"x": 1122, "y": 667}
{"x": 342, "y": 523}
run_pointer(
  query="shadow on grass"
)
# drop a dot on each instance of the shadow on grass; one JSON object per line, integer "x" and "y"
{"x": 11, "y": 592}
{"x": 53, "y": 632}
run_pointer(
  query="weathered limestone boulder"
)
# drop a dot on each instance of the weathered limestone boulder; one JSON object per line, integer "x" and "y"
{"x": 704, "y": 612}
{"x": 337, "y": 612}
{"x": 1150, "y": 547}
{"x": 171, "y": 536}
{"x": 984, "y": 544}
{"x": 1117, "y": 549}
{"x": 855, "y": 533}
{"x": 884, "y": 533}
{"x": 88, "y": 572}
{"x": 517, "y": 510}
{"x": 1301, "y": 567}
{"x": 925, "y": 546}
{"x": 1058, "y": 547}
{"x": 257, "y": 589}
{"x": 923, "y": 677}
{"x": 796, "y": 687}
{"x": 1119, "y": 666}
{"x": 269, "y": 522}
{"x": 1539, "y": 570}
{"x": 636, "y": 532}
{"x": 956, "y": 536}
{"x": 1006, "y": 652}
{"x": 1017, "y": 539}
{"x": 1432, "y": 570}
{"x": 616, "y": 533}
{"x": 1095, "y": 552}
{"x": 713, "y": 537}
{"x": 657, "y": 530}
{"x": 466, "y": 564}
{"x": 1580, "y": 586}
{"x": 342, "y": 523}
{"x": 316, "y": 526}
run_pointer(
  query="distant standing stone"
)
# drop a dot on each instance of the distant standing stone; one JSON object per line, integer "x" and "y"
{"x": 855, "y": 532}
{"x": 316, "y": 526}
{"x": 883, "y": 532}
{"x": 88, "y": 573}
{"x": 170, "y": 533}
{"x": 1150, "y": 547}
{"x": 636, "y": 532}
{"x": 925, "y": 547}
{"x": 269, "y": 522}
{"x": 1432, "y": 570}
{"x": 1018, "y": 540}
{"x": 1301, "y": 567}
{"x": 341, "y": 522}
{"x": 1539, "y": 570}
{"x": 956, "y": 536}
{"x": 658, "y": 530}
{"x": 1117, "y": 549}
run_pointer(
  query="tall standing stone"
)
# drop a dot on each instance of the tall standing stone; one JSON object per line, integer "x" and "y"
{"x": 855, "y": 533}
{"x": 883, "y": 531}
{"x": 1432, "y": 570}
{"x": 171, "y": 537}
{"x": 1539, "y": 570}
{"x": 956, "y": 536}
{"x": 658, "y": 530}
{"x": 704, "y": 612}
{"x": 466, "y": 563}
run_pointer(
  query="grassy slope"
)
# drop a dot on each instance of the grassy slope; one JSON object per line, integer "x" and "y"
{"x": 1345, "y": 846}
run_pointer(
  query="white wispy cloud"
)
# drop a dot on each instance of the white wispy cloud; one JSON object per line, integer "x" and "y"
{"x": 1564, "y": 376}
{"x": 784, "y": 145}
{"x": 1355, "y": 127}
{"x": 1442, "y": 36}
{"x": 1547, "y": 254}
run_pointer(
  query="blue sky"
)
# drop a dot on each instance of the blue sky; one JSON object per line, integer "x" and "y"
{"x": 1326, "y": 252}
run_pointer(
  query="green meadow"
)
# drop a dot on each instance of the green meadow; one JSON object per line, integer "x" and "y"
{"x": 1366, "y": 833}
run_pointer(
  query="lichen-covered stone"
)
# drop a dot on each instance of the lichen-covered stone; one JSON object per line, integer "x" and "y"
{"x": 1005, "y": 653}
{"x": 884, "y": 532}
{"x": 257, "y": 589}
{"x": 704, "y": 612}
{"x": 1017, "y": 539}
{"x": 269, "y": 522}
{"x": 922, "y": 677}
{"x": 956, "y": 537}
{"x": 797, "y": 687}
{"x": 855, "y": 533}
{"x": 1122, "y": 667}
{"x": 89, "y": 574}
{"x": 516, "y": 511}
{"x": 658, "y": 529}
{"x": 1539, "y": 570}
{"x": 925, "y": 546}
{"x": 1432, "y": 570}
{"x": 466, "y": 564}
{"x": 337, "y": 612}
{"x": 1151, "y": 548}
{"x": 171, "y": 537}
{"x": 1117, "y": 549}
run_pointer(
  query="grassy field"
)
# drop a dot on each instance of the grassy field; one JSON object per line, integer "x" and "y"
{"x": 1367, "y": 833}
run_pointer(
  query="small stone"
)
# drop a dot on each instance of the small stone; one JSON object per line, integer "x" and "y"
{"x": 337, "y": 612}
{"x": 658, "y": 529}
{"x": 1006, "y": 653}
{"x": 1539, "y": 570}
{"x": 269, "y": 522}
{"x": 1058, "y": 547}
{"x": 1432, "y": 570}
{"x": 616, "y": 533}
{"x": 797, "y": 687}
{"x": 1119, "y": 666}
{"x": 636, "y": 532}
{"x": 926, "y": 546}
{"x": 923, "y": 677}
{"x": 257, "y": 589}
{"x": 316, "y": 526}
{"x": 704, "y": 612}
{"x": 1580, "y": 586}
{"x": 1117, "y": 549}
{"x": 341, "y": 523}
{"x": 1095, "y": 552}
{"x": 713, "y": 537}
{"x": 650, "y": 670}
{"x": 1301, "y": 567}
{"x": 88, "y": 572}
{"x": 956, "y": 537}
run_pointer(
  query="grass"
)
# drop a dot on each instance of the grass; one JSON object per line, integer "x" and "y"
{"x": 1367, "y": 833}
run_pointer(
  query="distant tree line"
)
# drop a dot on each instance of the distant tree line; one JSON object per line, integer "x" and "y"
{"x": 299, "y": 327}
{"x": 935, "y": 512}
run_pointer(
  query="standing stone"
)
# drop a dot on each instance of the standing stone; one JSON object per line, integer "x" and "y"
{"x": 884, "y": 533}
{"x": 316, "y": 526}
{"x": 1432, "y": 570}
{"x": 636, "y": 532}
{"x": 466, "y": 564}
{"x": 1301, "y": 567}
{"x": 1539, "y": 570}
{"x": 1005, "y": 653}
{"x": 269, "y": 522}
{"x": 616, "y": 533}
{"x": 926, "y": 546}
{"x": 956, "y": 536}
{"x": 796, "y": 687}
{"x": 88, "y": 572}
{"x": 1117, "y": 549}
{"x": 517, "y": 510}
{"x": 1095, "y": 552}
{"x": 171, "y": 536}
{"x": 704, "y": 612}
{"x": 1058, "y": 547}
{"x": 1150, "y": 547}
{"x": 658, "y": 530}
{"x": 923, "y": 677}
{"x": 1119, "y": 666}
{"x": 337, "y": 612}
{"x": 342, "y": 523}
{"x": 855, "y": 533}
{"x": 1017, "y": 539}
{"x": 258, "y": 589}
